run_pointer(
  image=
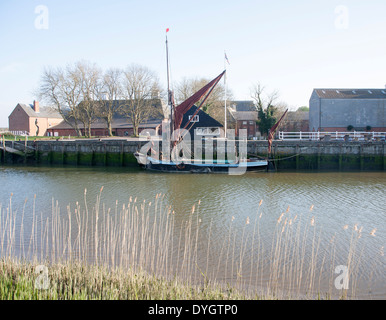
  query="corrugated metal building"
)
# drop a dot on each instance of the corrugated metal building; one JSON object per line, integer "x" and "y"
{"x": 339, "y": 109}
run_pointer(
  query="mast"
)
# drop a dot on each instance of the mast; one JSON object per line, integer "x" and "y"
{"x": 168, "y": 80}
{"x": 225, "y": 104}
{"x": 225, "y": 94}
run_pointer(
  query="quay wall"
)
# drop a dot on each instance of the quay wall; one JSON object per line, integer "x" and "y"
{"x": 286, "y": 155}
{"x": 320, "y": 155}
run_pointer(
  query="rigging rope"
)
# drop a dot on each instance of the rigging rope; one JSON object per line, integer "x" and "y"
{"x": 289, "y": 157}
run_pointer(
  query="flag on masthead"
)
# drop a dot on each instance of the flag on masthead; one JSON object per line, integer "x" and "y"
{"x": 226, "y": 58}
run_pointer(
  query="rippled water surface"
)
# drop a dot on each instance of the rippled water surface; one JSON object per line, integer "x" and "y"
{"x": 339, "y": 213}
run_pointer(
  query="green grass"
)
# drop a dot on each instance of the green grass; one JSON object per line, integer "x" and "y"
{"x": 76, "y": 281}
{"x": 10, "y": 136}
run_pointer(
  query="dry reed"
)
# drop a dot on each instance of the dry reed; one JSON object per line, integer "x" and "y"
{"x": 149, "y": 238}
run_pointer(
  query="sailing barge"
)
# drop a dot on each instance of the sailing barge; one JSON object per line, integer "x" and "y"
{"x": 189, "y": 165}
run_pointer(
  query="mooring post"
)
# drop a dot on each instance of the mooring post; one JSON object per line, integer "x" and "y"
{"x": 361, "y": 157}
{"x": 25, "y": 150}
{"x": 384, "y": 157}
{"x": 121, "y": 154}
{"x": 3, "y": 150}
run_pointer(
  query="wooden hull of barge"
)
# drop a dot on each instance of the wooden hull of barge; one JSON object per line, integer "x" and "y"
{"x": 204, "y": 168}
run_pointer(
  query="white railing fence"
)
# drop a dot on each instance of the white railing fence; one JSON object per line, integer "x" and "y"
{"x": 16, "y": 133}
{"x": 342, "y": 136}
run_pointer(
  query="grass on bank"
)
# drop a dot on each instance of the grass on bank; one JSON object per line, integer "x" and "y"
{"x": 76, "y": 281}
{"x": 10, "y": 136}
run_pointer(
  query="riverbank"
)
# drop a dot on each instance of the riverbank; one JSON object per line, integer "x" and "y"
{"x": 286, "y": 155}
{"x": 219, "y": 234}
{"x": 76, "y": 281}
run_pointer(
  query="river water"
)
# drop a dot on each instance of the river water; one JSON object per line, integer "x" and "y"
{"x": 291, "y": 233}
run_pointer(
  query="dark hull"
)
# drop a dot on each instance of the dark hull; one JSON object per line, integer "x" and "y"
{"x": 205, "y": 168}
{"x": 152, "y": 164}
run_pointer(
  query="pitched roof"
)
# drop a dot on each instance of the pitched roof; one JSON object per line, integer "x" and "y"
{"x": 351, "y": 93}
{"x": 44, "y": 113}
{"x": 244, "y": 115}
{"x": 244, "y": 105}
{"x": 119, "y": 120}
{"x": 297, "y": 115}
{"x": 205, "y": 120}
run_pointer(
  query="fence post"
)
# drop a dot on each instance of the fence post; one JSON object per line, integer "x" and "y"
{"x": 3, "y": 151}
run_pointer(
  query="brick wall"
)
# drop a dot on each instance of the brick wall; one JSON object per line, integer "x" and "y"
{"x": 18, "y": 120}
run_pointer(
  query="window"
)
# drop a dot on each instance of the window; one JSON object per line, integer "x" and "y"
{"x": 208, "y": 131}
{"x": 196, "y": 118}
{"x": 251, "y": 122}
{"x": 245, "y": 122}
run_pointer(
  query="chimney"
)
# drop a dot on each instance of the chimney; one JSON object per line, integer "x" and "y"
{"x": 36, "y": 106}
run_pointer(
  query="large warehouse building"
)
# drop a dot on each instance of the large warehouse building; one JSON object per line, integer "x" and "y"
{"x": 344, "y": 109}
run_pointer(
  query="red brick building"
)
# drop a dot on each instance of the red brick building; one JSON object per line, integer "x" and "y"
{"x": 295, "y": 121}
{"x": 31, "y": 120}
{"x": 246, "y": 120}
{"x": 244, "y": 116}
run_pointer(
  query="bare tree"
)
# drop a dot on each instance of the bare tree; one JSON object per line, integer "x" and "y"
{"x": 91, "y": 90}
{"x": 62, "y": 88}
{"x": 74, "y": 92}
{"x": 111, "y": 95}
{"x": 266, "y": 106}
{"x": 140, "y": 88}
{"x": 82, "y": 93}
{"x": 214, "y": 105}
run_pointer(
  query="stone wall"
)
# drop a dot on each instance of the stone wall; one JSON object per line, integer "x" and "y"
{"x": 286, "y": 155}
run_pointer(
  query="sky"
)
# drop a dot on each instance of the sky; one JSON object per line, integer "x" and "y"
{"x": 290, "y": 47}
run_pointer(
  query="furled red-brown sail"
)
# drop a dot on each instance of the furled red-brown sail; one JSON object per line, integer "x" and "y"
{"x": 188, "y": 103}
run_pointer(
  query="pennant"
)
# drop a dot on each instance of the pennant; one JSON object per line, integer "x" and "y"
{"x": 167, "y": 30}
{"x": 226, "y": 58}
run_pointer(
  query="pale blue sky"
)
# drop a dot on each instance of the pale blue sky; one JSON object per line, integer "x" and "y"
{"x": 289, "y": 46}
